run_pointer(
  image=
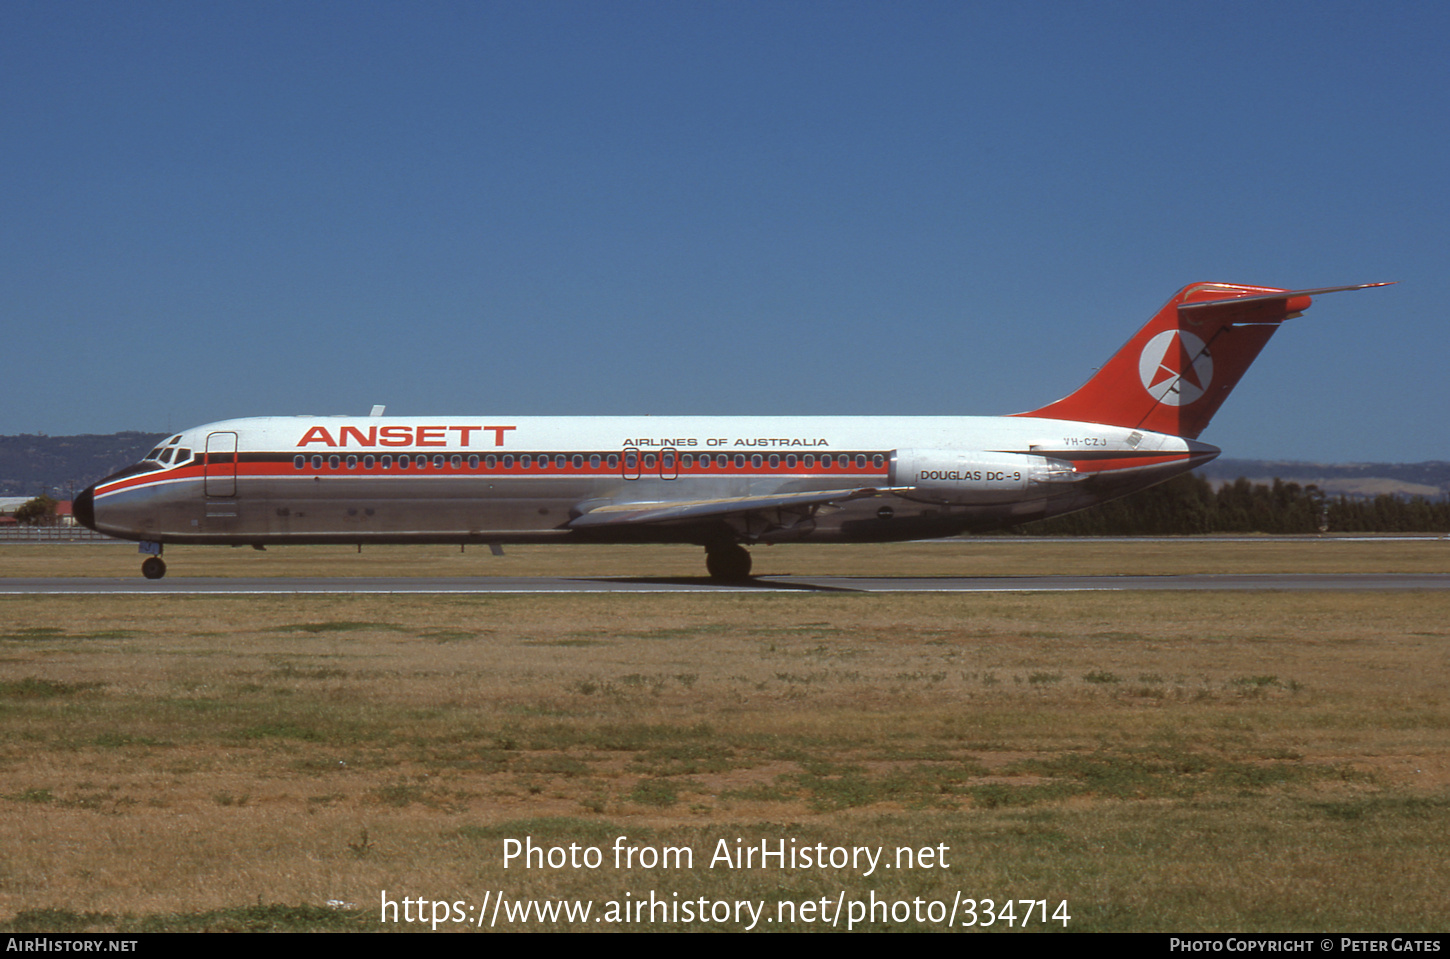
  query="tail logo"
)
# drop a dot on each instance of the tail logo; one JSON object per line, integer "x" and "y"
{"x": 1175, "y": 367}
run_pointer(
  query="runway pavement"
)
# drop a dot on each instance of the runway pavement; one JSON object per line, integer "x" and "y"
{"x": 198, "y": 586}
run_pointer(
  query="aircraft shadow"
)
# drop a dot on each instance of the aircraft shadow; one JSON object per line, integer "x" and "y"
{"x": 706, "y": 581}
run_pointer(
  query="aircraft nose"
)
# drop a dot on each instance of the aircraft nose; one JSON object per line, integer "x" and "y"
{"x": 83, "y": 508}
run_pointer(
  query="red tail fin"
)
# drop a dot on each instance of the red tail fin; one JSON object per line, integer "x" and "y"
{"x": 1173, "y": 375}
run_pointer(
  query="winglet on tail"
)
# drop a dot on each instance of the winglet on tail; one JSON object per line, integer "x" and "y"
{"x": 1175, "y": 373}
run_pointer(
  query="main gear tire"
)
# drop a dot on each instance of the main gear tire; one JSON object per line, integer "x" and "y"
{"x": 728, "y": 563}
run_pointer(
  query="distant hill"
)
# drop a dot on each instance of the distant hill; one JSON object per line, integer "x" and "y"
{"x": 1430, "y": 479}
{"x": 31, "y": 464}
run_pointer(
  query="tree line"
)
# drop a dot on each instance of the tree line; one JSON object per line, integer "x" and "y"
{"x": 1189, "y": 504}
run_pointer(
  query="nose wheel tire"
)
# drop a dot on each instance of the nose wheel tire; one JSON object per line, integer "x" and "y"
{"x": 153, "y": 568}
{"x": 728, "y": 563}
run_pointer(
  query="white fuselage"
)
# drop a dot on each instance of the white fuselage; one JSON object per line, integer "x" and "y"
{"x": 310, "y": 479}
{"x": 719, "y": 481}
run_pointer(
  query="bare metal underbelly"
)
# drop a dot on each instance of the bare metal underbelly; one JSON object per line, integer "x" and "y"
{"x": 320, "y": 510}
{"x": 305, "y": 511}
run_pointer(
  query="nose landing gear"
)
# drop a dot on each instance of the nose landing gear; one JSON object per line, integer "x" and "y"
{"x": 153, "y": 567}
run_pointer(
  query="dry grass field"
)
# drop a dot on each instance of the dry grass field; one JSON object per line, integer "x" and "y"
{"x": 1161, "y": 761}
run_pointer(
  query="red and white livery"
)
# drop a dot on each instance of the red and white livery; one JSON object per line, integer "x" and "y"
{"x": 722, "y": 482}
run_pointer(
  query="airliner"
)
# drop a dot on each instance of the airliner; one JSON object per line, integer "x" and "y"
{"x": 720, "y": 482}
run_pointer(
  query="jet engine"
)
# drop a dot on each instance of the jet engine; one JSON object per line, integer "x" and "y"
{"x": 956, "y": 478}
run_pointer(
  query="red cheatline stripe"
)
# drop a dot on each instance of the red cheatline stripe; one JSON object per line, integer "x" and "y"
{"x": 288, "y": 469}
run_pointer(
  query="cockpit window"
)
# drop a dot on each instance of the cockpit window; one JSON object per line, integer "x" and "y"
{"x": 164, "y": 453}
{"x": 183, "y": 455}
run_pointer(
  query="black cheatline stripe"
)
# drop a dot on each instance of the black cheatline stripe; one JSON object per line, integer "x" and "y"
{"x": 290, "y": 458}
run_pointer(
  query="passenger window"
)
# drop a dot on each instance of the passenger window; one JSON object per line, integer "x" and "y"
{"x": 368, "y": 462}
{"x": 755, "y": 461}
{"x": 594, "y": 461}
{"x": 774, "y": 460}
{"x": 334, "y": 461}
{"x": 386, "y": 462}
{"x": 352, "y": 462}
{"x": 860, "y": 461}
{"x": 438, "y": 462}
{"x": 630, "y": 460}
{"x": 878, "y": 461}
{"x": 613, "y": 460}
{"x": 809, "y": 461}
{"x": 473, "y": 462}
{"x": 790, "y": 461}
{"x": 404, "y": 461}
{"x": 298, "y": 462}
{"x": 740, "y": 461}
{"x": 490, "y": 461}
{"x": 456, "y": 462}
{"x": 508, "y": 462}
{"x": 560, "y": 459}
{"x": 317, "y": 462}
{"x": 578, "y": 461}
{"x": 826, "y": 461}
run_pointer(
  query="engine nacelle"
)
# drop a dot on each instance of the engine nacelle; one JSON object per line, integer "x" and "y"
{"x": 945, "y": 476}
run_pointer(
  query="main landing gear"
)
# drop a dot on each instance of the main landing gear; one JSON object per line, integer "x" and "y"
{"x": 728, "y": 562}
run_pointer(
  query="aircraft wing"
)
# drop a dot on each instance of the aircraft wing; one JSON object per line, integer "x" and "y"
{"x": 689, "y": 511}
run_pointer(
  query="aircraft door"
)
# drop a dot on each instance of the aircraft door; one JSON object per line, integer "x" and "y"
{"x": 219, "y": 464}
{"x": 629, "y": 463}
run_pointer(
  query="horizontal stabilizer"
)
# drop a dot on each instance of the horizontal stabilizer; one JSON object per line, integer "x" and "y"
{"x": 1277, "y": 303}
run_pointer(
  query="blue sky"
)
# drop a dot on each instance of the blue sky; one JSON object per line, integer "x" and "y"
{"x": 226, "y": 209}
